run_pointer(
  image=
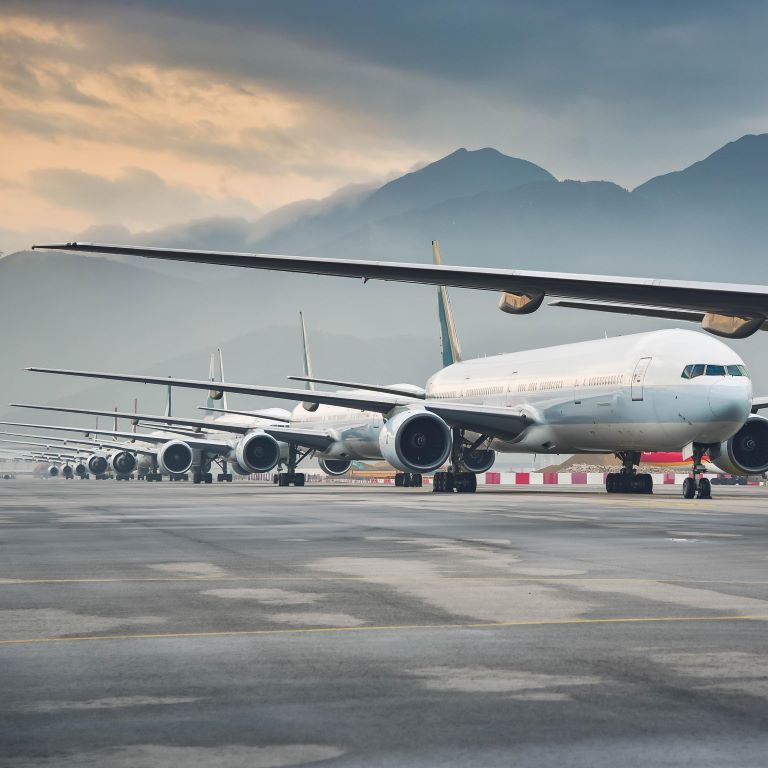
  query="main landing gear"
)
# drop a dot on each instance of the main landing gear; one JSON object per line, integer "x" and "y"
{"x": 697, "y": 486}
{"x": 409, "y": 480}
{"x": 224, "y": 476}
{"x": 629, "y": 480}
{"x": 292, "y": 477}
{"x": 457, "y": 478}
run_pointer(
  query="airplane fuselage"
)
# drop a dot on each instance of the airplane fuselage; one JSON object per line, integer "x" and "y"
{"x": 625, "y": 393}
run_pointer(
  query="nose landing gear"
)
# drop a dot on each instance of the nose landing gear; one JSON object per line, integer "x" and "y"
{"x": 629, "y": 480}
{"x": 697, "y": 486}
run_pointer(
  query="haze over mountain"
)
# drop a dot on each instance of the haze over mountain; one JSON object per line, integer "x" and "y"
{"x": 705, "y": 221}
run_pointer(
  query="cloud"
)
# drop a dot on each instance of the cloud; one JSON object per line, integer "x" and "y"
{"x": 137, "y": 195}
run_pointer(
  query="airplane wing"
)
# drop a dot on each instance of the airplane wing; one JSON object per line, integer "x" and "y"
{"x": 524, "y": 290}
{"x": 307, "y": 438}
{"x": 632, "y": 309}
{"x": 198, "y": 424}
{"x": 498, "y": 422}
{"x": 416, "y": 392}
{"x": 202, "y": 444}
{"x": 758, "y": 403}
{"x": 377, "y": 403}
{"x": 259, "y": 414}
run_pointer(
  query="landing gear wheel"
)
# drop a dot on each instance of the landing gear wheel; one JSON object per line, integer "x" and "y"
{"x": 416, "y": 480}
{"x": 689, "y": 488}
{"x": 465, "y": 482}
{"x": 299, "y": 479}
{"x": 443, "y": 482}
{"x": 704, "y": 491}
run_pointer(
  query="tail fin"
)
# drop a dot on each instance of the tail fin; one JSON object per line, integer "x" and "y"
{"x": 217, "y": 400}
{"x": 169, "y": 401}
{"x": 307, "y": 361}
{"x": 449, "y": 339}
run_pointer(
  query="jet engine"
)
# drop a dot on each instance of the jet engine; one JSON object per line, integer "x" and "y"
{"x": 335, "y": 467}
{"x": 257, "y": 452}
{"x": 415, "y": 441}
{"x": 67, "y": 472}
{"x": 478, "y": 460}
{"x": 80, "y": 469}
{"x": 97, "y": 464}
{"x": 53, "y": 471}
{"x": 746, "y": 453}
{"x": 174, "y": 458}
{"x": 123, "y": 462}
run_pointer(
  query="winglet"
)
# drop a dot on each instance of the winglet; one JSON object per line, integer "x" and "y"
{"x": 307, "y": 362}
{"x": 449, "y": 338}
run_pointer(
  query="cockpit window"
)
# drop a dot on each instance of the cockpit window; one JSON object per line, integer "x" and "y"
{"x": 692, "y": 371}
{"x": 701, "y": 369}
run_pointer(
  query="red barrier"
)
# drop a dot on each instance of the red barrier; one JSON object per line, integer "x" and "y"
{"x": 549, "y": 478}
{"x": 493, "y": 478}
{"x": 669, "y": 478}
{"x": 578, "y": 478}
{"x": 522, "y": 478}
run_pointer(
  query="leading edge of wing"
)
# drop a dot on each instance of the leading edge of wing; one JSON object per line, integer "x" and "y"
{"x": 377, "y": 403}
{"x": 721, "y": 297}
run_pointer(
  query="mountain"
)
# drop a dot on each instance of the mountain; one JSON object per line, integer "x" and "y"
{"x": 706, "y": 221}
{"x": 733, "y": 177}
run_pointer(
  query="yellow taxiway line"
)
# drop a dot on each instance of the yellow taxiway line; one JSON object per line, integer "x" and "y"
{"x": 383, "y": 628}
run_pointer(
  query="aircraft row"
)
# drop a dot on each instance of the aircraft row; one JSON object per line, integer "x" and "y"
{"x": 670, "y": 390}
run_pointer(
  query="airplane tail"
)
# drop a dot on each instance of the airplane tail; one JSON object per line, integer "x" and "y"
{"x": 217, "y": 400}
{"x": 449, "y": 338}
{"x": 306, "y": 361}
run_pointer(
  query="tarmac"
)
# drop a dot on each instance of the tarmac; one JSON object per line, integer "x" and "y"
{"x": 245, "y": 625}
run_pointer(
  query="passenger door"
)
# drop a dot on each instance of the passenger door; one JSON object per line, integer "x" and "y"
{"x": 638, "y": 377}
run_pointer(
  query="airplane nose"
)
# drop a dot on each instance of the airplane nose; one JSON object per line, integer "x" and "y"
{"x": 730, "y": 401}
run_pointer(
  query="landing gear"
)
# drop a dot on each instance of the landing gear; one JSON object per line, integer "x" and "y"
{"x": 629, "y": 480}
{"x": 202, "y": 477}
{"x": 697, "y": 485}
{"x": 224, "y": 476}
{"x": 153, "y": 477}
{"x": 457, "y": 478}
{"x": 292, "y": 477}
{"x": 409, "y": 480}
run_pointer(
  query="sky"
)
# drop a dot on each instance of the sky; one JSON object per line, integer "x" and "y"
{"x": 150, "y": 114}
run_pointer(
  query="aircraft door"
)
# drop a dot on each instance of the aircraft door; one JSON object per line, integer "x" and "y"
{"x": 638, "y": 377}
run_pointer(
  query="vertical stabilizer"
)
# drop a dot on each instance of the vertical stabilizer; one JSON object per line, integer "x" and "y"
{"x": 169, "y": 401}
{"x": 306, "y": 361}
{"x": 216, "y": 398}
{"x": 449, "y": 339}
{"x": 224, "y": 405}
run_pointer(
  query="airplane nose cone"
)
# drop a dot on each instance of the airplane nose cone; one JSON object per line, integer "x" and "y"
{"x": 730, "y": 401}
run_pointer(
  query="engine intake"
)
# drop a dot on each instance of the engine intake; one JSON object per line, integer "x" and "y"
{"x": 53, "y": 471}
{"x": 175, "y": 458}
{"x": 123, "y": 462}
{"x": 98, "y": 464}
{"x": 257, "y": 452}
{"x": 67, "y": 471}
{"x": 746, "y": 453}
{"x": 81, "y": 470}
{"x": 335, "y": 467}
{"x": 415, "y": 441}
{"x": 478, "y": 460}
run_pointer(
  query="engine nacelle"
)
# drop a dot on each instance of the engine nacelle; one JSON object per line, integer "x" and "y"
{"x": 53, "y": 471}
{"x": 67, "y": 472}
{"x": 746, "y": 453}
{"x": 477, "y": 460}
{"x": 335, "y": 467}
{"x": 415, "y": 441}
{"x": 80, "y": 469}
{"x": 97, "y": 464}
{"x": 521, "y": 303}
{"x": 174, "y": 458}
{"x": 123, "y": 462}
{"x": 257, "y": 452}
